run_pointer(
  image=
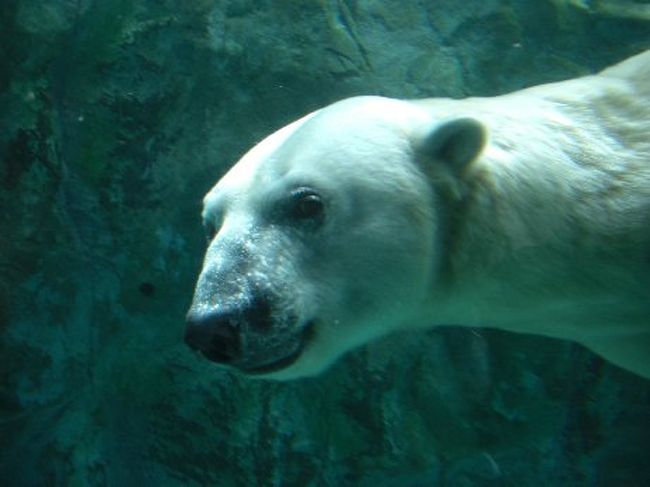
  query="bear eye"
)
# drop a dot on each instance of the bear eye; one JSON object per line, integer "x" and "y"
{"x": 307, "y": 205}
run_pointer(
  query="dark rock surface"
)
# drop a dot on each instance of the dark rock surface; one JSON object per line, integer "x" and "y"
{"x": 117, "y": 116}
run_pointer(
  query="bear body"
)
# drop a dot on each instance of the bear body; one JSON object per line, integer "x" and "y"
{"x": 527, "y": 212}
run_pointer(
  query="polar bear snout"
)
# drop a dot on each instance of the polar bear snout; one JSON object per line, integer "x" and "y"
{"x": 247, "y": 334}
{"x": 215, "y": 334}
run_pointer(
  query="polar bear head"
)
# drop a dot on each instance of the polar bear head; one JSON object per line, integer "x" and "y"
{"x": 326, "y": 234}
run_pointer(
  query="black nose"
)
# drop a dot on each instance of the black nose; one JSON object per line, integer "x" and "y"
{"x": 215, "y": 334}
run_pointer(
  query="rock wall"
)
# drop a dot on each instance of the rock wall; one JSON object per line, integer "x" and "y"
{"x": 117, "y": 116}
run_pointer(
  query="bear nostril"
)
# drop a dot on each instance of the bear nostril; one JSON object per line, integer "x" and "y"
{"x": 215, "y": 335}
{"x": 225, "y": 345}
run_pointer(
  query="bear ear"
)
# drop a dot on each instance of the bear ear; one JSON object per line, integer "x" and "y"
{"x": 455, "y": 142}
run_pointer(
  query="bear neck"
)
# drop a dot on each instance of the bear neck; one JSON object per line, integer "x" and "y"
{"x": 541, "y": 238}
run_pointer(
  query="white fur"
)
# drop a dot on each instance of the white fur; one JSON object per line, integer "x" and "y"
{"x": 544, "y": 230}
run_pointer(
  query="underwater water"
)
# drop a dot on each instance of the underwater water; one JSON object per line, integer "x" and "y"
{"x": 116, "y": 117}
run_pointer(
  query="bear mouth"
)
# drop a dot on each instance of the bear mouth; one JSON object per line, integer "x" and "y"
{"x": 284, "y": 362}
{"x": 280, "y": 364}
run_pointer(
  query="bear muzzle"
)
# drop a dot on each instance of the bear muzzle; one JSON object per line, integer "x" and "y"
{"x": 246, "y": 335}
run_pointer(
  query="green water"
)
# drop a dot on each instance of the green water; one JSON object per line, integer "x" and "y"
{"x": 116, "y": 117}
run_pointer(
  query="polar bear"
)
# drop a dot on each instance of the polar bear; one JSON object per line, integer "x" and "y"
{"x": 528, "y": 212}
